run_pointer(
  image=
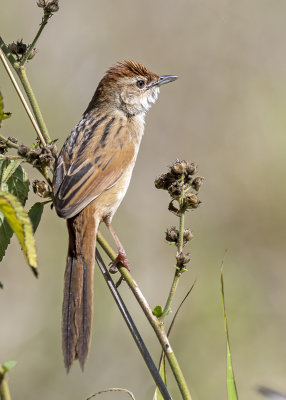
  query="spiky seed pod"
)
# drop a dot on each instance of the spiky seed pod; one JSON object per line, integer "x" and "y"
{"x": 13, "y": 48}
{"x": 53, "y": 149}
{"x": 172, "y": 235}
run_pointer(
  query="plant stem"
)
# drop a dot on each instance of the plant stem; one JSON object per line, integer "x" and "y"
{"x": 171, "y": 295}
{"x": 21, "y": 71}
{"x": 155, "y": 323}
{"x": 8, "y": 142}
{"x": 17, "y": 88}
{"x": 178, "y": 272}
{"x": 4, "y": 388}
{"x": 42, "y": 25}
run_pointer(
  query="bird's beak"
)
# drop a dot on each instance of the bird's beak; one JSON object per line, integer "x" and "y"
{"x": 163, "y": 79}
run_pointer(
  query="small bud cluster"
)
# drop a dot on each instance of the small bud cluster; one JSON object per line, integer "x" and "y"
{"x": 41, "y": 189}
{"x": 19, "y": 49}
{"x": 183, "y": 187}
{"x": 49, "y": 6}
{"x": 4, "y": 145}
{"x": 39, "y": 156}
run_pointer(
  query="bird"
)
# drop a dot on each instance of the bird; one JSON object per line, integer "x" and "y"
{"x": 91, "y": 177}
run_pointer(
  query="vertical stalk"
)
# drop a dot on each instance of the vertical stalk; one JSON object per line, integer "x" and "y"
{"x": 21, "y": 71}
{"x": 4, "y": 388}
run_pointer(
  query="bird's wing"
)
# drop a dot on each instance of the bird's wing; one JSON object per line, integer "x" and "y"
{"x": 92, "y": 160}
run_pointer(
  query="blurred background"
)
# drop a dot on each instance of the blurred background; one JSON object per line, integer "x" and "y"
{"x": 227, "y": 113}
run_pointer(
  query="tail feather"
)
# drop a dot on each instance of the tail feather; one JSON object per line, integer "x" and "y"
{"x": 77, "y": 311}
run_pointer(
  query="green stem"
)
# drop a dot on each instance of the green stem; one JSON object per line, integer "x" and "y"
{"x": 42, "y": 25}
{"x": 155, "y": 323}
{"x": 8, "y": 142}
{"x": 171, "y": 295}
{"x": 21, "y": 71}
{"x": 4, "y": 50}
{"x": 4, "y": 388}
{"x": 178, "y": 272}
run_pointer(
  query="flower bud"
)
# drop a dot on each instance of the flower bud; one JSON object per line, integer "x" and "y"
{"x": 13, "y": 139}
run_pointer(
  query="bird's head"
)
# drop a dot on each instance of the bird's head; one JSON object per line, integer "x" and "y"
{"x": 129, "y": 87}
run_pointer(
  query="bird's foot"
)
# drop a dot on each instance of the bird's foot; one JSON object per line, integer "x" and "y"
{"x": 120, "y": 259}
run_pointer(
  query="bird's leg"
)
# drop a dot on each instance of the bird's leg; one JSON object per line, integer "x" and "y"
{"x": 121, "y": 257}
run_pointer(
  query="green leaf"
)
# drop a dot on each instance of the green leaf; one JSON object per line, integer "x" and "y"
{"x": 231, "y": 385}
{"x": 35, "y": 214}
{"x": 20, "y": 223}
{"x": 3, "y": 115}
{"x": 9, "y": 170}
{"x": 157, "y": 311}
{"x": 13, "y": 179}
{"x": 17, "y": 183}
{"x": 8, "y": 365}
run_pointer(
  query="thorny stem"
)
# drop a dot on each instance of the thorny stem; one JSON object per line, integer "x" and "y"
{"x": 44, "y": 22}
{"x": 4, "y": 388}
{"x": 155, "y": 323}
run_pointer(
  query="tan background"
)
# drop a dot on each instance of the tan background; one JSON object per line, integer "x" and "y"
{"x": 227, "y": 113}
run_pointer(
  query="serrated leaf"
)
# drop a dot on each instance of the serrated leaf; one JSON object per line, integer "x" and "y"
{"x": 13, "y": 179}
{"x": 20, "y": 223}
{"x": 8, "y": 365}
{"x": 5, "y": 233}
{"x": 11, "y": 167}
{"x": 35, "y": 214}
{"x": 17, "y": 184}
{"x": 157, "y": 311}
{"x": 230, "y": 381}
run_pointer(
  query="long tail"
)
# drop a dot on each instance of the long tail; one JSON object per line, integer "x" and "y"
{"x": 77, "y": 312}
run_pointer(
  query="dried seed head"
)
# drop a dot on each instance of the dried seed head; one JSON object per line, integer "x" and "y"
{"x": 23, "y": 150}
{"x": 52, "y": 148}
{"x": 191, "y": 168}
{"x": 179, "y": 167}
{"x": 175, "y": 189}
{"x": 13, "y": 139}
{"x": 182, "y": 259}
{"x": 32, "y": 54}
{"x": 197, "y": 183}
{"x": 41, "y": 189}
{"x": 187, "y": 235}
{"x": 13, "y": 48}
{"x": 49, "y": 6}
{"x": 192, "y": 200}
{"x": 172, "y": 234}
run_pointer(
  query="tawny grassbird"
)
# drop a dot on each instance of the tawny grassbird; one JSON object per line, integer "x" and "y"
{"x": 92, "y": 175}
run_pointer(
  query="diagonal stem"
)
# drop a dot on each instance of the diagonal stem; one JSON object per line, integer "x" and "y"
{"x": 155, "y": 323}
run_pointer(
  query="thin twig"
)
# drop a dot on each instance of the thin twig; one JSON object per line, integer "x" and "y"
{"x": 112, "y": 390}
{"x": 4, "y": 388}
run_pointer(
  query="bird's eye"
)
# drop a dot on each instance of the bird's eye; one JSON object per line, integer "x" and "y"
{"x": 140, "y": 84}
